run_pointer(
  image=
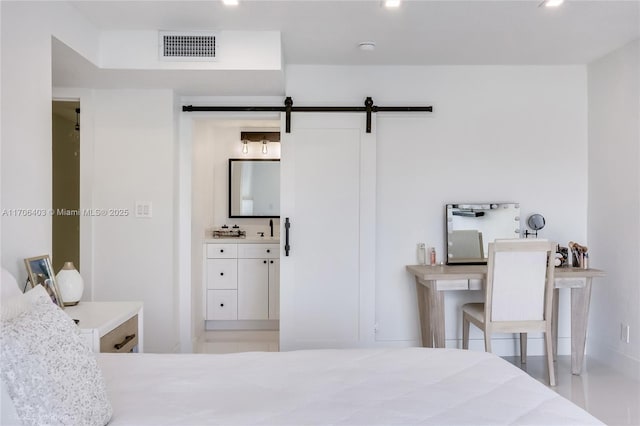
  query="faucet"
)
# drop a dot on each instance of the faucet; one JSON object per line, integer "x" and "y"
{"x": 271, "y": 226}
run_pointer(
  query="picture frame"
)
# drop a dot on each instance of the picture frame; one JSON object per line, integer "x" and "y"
{"x": 40, "y": 271}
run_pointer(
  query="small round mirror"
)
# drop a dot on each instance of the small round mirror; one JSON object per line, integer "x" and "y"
{"x": 536, "y": 222}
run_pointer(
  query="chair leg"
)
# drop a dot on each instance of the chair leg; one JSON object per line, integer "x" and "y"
{"x": 554, "y": 322}
{"x": 523, "y": 348}
{"x": 465, "y": 332}
{"x": 548, "y": 338}
{"x": 487, "y": 340}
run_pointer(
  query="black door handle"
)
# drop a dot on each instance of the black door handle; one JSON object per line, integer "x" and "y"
{"x": 287, "y": 247}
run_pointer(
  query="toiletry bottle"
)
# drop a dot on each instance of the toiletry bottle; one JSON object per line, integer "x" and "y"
{"x": 432, "y": 256}
{"x": 422, "y": 255}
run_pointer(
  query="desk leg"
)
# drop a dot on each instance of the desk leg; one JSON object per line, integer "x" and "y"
{"x": 580, "y": 298}
{"x": 436, "y": 312}
{"x": 554, "y": 322}
{"x": 423, "y": 310}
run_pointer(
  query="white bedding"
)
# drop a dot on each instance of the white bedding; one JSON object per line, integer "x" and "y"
{"x": 339, "y": 387}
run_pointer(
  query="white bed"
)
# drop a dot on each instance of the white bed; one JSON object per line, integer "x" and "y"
{"x": 59, "y": 382}
{"x": 338, "y": 387}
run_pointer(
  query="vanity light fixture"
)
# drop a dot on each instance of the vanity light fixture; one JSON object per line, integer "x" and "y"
{"x": 551, "y": 3}
{"x": 230, "y": 2}
{"x": 262, "y": 137}
{"x": 392, "y": 3}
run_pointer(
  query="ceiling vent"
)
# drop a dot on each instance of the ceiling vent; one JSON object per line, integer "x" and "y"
{"x": 187, "y": 46}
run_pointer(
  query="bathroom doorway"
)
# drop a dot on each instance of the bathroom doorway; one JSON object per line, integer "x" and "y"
{"x": 252, "y": 295}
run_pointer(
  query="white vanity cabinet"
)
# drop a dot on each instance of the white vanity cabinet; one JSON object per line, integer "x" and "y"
{"x": 242, "y": 281}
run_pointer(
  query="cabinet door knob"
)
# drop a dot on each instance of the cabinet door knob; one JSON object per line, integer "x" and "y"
{"x": 272, "y": 261}
{"x": 264, "y": 261}
{"x": 222, "y": 305}
{"x": 221, "y": 250}
{"x": 221, "y": 273}
{"x": 268, "y": 251}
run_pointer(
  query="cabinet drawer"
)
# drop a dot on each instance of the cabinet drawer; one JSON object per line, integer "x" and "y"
{"x": 222, "y": 304}
{"x": 122, "y": 338}
{"x": 222, "y": 274}
{"x": 222, "y": 251}
{"x": 259, "y": 251}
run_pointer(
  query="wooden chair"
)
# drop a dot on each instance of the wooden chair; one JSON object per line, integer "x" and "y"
{"x": 518, "y": 295}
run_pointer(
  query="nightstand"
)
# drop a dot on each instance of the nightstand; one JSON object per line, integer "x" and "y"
{"x": 109, "y": 326}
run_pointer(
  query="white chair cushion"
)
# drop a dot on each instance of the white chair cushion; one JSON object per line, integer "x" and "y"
{"x": 50, "y": 375}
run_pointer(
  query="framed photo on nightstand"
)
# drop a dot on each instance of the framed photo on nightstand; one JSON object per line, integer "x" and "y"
{"x": 40, "y": 272}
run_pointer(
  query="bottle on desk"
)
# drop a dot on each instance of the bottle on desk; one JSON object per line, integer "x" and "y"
{"x": 422, "y": 254}
{"x": 432, "y": 256}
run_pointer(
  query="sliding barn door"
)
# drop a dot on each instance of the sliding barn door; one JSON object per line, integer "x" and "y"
{"x": 327, "y": 291}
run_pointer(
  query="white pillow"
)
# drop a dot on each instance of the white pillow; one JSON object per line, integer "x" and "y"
{"x": 8, "y": 286}
{"x": 13, "y": 306}
{"x": 50, "y": 375}
{"x": 8, "y": 415}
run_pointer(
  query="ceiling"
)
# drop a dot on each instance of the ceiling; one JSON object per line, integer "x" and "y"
{"x": 420, "y": 32}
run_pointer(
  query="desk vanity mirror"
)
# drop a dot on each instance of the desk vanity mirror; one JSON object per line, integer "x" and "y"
{"x": 254, "y": 188}
{"x": 471, "y": 227}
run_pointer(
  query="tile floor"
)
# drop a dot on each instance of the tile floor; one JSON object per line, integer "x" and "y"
{"x": 605, "y": 393}
{"x": 600, "y": 390}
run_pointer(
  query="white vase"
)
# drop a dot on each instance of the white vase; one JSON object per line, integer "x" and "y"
{"x": 70, "y": 284}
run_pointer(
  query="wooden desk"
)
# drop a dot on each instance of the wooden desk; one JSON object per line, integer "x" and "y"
{"x": 433, "y": 281}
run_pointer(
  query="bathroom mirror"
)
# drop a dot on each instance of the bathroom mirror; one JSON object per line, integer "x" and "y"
{"x": 471, "y": 227}
{"x": 254, "y": 188}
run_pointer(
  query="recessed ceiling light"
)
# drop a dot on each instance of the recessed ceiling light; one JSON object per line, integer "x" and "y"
{"x": 392, "y": 3}
{"x": 230, "y": 2}
{"x": 367, "y": 46}
{"x": 551, "y": 3}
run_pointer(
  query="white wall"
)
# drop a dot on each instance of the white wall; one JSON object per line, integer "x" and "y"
{"x": 496, "y": 134}
{"x": 235, "y": 50}
{"x": 614, "y": 203}
{"x": 27, "y": 28}
{"x": 134, "y": 257}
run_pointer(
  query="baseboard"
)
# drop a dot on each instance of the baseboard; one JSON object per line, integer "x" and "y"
{"x": 243, "y": 325}
{"x": 511, "y": 346}
{"x": 608, "y": 355}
